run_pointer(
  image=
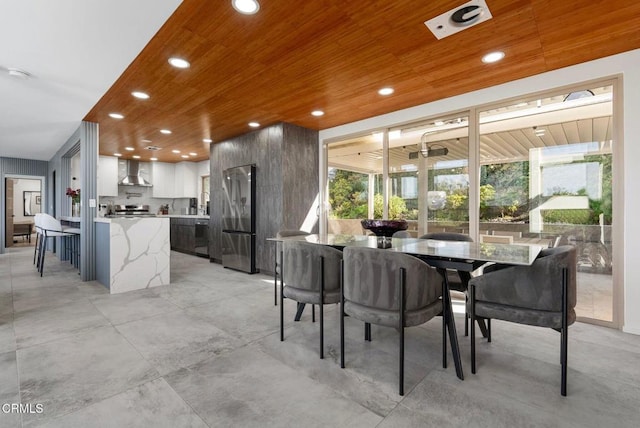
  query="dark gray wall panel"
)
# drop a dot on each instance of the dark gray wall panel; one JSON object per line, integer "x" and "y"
{"x": 299, "y": 175}
{"x": 265, "y": 149}
{"x": 270, "y": 226}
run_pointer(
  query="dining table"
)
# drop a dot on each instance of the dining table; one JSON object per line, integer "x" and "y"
{"x": 442, "y": 255}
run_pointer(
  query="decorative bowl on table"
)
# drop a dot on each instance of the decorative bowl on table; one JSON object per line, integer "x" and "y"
{"x": 385, "y": 228}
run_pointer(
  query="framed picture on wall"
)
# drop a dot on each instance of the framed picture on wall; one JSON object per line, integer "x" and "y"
{"x": 32, "y": 201}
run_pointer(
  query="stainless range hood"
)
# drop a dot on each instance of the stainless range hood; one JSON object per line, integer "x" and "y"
{"x": 133, "y": 177}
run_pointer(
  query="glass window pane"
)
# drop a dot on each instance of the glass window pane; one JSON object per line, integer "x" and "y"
{"x": 429, "y": 177}
{"x": 546, "y": 178}
{"x": 354, "y": 175}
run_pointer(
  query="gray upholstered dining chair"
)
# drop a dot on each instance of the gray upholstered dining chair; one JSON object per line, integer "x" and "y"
{"x": 282, "y": 234}
{"x": 390, "y": 289}
{"x": 402, "y": 234}
{"x": 310, "y": 274}
{"x": 458, "y": 280}
{"x": 543, "y": 294}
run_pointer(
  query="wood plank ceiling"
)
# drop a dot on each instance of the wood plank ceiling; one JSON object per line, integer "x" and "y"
{"x": 333, "y": 55}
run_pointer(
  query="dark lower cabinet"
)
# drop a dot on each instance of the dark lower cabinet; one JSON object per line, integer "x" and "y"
{"x": 190, "y": 236}
{"x": 183, "y": 235}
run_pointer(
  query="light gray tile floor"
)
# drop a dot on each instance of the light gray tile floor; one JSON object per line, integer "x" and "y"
{"x": 205, "y": 351}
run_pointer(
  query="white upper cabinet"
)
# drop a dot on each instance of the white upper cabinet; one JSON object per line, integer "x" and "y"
{"x": 108, "y": 176}
{"x": 163, "y": 177}
{"x": 174, "y": 180}
{"x": 186, "y": 180}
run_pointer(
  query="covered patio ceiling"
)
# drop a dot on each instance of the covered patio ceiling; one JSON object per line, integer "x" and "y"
{"x": 507, "y": 134}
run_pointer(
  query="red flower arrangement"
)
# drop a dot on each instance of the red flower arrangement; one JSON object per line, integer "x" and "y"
{"x": 73, "y": 194}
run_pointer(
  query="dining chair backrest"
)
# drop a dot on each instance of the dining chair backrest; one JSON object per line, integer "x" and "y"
{"x": 494, "y": 239}
{"x": 301, "y": 262}
{"x": 535, "y": 287}
{"x": 447, "y": 236}
{"x": 285, "y": 233}
{"x": 371, "y": 279}
{"x": 543, "y": 295}
{"x": 458, "y": 280}
{"x": 49, "y": 223}
{"x": 402, "y": 234}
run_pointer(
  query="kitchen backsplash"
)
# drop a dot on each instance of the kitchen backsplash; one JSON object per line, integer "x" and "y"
{"x": 139, "y": 195}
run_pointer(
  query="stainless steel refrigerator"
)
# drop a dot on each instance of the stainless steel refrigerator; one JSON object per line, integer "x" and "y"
{"x": 239, "y": 218}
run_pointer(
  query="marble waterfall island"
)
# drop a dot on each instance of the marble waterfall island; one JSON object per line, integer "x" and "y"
{"x": 132, "y": 253}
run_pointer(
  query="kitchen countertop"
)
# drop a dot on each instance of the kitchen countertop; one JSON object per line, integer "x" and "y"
{"x": 108, "y": 219}
{"x": 128, "y": 217}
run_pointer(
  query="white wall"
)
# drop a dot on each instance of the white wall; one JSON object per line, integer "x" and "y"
{"x": 23, "y": 185}
{"x": 626, "y": 64}
{"x": 203, "y": 171}
{"x": 76, "y": 173}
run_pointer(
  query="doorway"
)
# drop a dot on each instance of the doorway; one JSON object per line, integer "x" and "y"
{"x": 23, "y": 200}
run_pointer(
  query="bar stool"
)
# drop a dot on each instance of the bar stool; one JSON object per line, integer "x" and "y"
{"x": 38, "y": 229}
{"x": 50, "y": 228}
{"x": 74, "y": 245}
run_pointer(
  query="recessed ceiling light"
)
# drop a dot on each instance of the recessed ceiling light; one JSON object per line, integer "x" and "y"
{"x": 141, "y": 95}
{"x": 179, "y": 62}
{"x": 18, "y": 74}
{"x": 146, "y": 141}
{"x": 184, "y": 156}
{"x": 317, "y": 113}
{"x": 493, "y": 57}
{"x": 117, "y": 154}
{"x": 254, "y": 124}
{"x": 129, "y": 149}
{"x": 165, "y": 131}
{"x": 207, "y": 140}
{"x": 135, "y": 157}
{"x": 193, "y": 154}
{"x": 246, "y": 7}
{"x": 175, "y": 151}
{"x": 153, "y": 159}
{"x": 116, "y": 116}
{"x": 386, "y": 91}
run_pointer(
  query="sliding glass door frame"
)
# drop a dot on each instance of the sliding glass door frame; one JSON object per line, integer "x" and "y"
{"x": 473, "y": 113}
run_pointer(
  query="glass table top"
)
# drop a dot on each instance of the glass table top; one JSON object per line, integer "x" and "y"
{"x": 513, "y": 254}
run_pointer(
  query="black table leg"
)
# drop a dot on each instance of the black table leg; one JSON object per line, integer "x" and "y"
{"x": 451, "y": 325}
{"x": 299, "y": 311}
{"x": 483, "y": 327}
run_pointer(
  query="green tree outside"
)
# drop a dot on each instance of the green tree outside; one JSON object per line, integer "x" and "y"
{"x": 504, "y": 195}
